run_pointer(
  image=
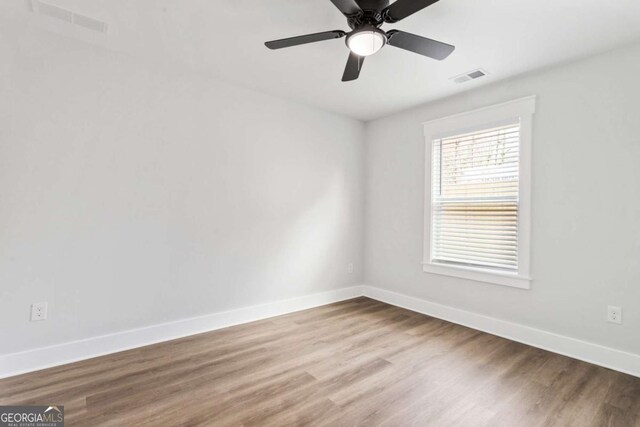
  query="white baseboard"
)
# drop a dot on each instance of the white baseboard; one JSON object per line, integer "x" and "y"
{"x": 46, "y": 357}
{"x": 589, "y": 352}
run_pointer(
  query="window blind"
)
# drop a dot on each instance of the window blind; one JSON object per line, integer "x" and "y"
{"x": 475, "y": 189}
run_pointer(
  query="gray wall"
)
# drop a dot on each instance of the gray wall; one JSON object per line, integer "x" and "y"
{"x": 133, "y": 195}
{"x": 585, "y": 205}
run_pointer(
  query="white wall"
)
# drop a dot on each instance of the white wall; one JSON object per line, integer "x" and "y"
{"x": 585, "y": 206}
{"x": 132, "y": 195}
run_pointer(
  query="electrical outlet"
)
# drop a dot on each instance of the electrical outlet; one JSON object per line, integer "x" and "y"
{"x": 614, "y": 314}
{"x": 350, "y": 268}
{"x": 38, "y": 311}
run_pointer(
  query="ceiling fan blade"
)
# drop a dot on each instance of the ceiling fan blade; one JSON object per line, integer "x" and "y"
{"x": 347, "y": 7}
{"x": 354, "y": 65}
{"x": 420, "y": 45}
{"x": 403, "y": 8}
{"x": 309, "y": 38}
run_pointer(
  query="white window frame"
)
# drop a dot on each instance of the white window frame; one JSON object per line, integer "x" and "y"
{"x": 470, "y": 121}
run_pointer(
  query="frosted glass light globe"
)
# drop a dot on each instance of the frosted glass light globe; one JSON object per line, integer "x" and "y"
{"x": 366, "y": 42}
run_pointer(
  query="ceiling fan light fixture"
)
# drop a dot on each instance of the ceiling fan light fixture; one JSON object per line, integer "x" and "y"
{"x": 365, "y": 17}
{"x": 366, "y": 41}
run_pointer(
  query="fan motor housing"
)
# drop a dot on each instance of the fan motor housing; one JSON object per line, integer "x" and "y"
{"x": 371, "y": 14}
{"x": 372, "y": 4}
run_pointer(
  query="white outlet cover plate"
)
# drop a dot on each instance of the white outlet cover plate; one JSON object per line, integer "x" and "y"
{"x": 38, "y": 311}
{"x": 614, "y": 314}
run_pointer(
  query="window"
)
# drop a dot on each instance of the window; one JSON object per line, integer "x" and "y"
{"x": 478, "y": 207}
{"x": 474, "y": 201}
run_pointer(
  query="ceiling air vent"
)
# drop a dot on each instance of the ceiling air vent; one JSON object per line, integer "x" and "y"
{"x": 57, "y": 12}
{"x": 471, "y": 75}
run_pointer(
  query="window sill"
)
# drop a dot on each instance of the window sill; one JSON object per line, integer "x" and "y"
{"x": 479, "y": 275}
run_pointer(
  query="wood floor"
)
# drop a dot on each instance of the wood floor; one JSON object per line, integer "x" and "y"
{"x": 358, "y": 362}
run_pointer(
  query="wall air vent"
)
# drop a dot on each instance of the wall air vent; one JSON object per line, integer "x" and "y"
{"x": 57, "y": 12}
{"x": 471, "y": 75}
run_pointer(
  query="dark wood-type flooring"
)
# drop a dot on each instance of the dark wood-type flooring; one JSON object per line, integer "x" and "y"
{"x": 357, "y": 362}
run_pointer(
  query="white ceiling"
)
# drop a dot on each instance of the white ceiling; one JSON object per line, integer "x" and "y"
{"x": 224, "y": 38}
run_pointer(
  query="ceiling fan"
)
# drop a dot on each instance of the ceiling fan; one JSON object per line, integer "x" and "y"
{"x": 365, "y": 17}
